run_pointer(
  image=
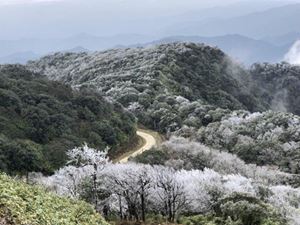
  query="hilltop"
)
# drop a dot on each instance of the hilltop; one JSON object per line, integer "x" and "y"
{"x": 142, "y": 77}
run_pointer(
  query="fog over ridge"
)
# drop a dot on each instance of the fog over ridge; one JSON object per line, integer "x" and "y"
{"x": 293, "y": 56}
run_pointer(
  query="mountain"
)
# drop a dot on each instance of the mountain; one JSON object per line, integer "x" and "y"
{"x": 196, "y": 72}
{"x": 100, "y": 19}
{"x": 41, "y": 119}
{"x": 146, "y": 77}
{"x": 195, "y": 91}
{"x": 272, "y": 22}
{"x": 283, "y": 40}
{"x": 77, "y": 49}
{"x": 243, "y": 49}
{"x": 229, "y": 10}
{"x": 19, "y": 57}
{"x": 82, "y": 41}
{"x": 24, "y": 57}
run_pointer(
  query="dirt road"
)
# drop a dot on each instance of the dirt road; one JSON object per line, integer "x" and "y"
{"x": 150, "y": 139}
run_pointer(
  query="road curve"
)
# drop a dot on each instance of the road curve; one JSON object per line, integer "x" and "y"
{"x": 149, "y": 142}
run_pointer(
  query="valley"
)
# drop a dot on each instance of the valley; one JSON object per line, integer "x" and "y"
{"x": 156, "y": 112}
{"x": 223, "y": 139}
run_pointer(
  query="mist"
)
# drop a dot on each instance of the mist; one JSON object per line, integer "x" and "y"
{"x": 293, "y": 56}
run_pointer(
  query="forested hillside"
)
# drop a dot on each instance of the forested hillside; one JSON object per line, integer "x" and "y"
{"x": 149, "y": 80}
{"x": 149, "y": 112}
{"x": 41, "y": 119}
{"x": 193, "y": 90}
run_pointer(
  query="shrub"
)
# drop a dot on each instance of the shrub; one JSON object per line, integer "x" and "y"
{"x": 21, "y": 204}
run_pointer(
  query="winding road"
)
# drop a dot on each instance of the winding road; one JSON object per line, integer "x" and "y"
{"x": 149, "y": 141}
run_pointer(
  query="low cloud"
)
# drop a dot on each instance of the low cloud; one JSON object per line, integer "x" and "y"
{"x": 293, "y": 56}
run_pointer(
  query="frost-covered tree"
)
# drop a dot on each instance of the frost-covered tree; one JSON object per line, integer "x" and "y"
{"x": 132, "y": 183}
{"x": 170, "y": 192}
{"x": 182, "y": 153}
{"x": 85, "y": 165}
{"x": 269, "y": 138}
{"x": 67, "y": 180}
{"x": 85, "y": 156}
{"x": 287, "y": 200}
{"x": 134, "y": 190}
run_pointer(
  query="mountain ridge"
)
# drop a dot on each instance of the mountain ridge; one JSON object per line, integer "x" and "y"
{"x": 271, "y": 22}
{"x": 241, "y": 48}
{"x": 92, "y": 67}
{"x": 141, "y": 77}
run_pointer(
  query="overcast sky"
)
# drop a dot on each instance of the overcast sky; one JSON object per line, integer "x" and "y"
{"x": 162, "y": 2}
{"x": 202, "y": 2}
{"x": 61, "y": 18}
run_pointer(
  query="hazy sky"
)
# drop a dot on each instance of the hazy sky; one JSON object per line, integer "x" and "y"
{"x": 202, "y": 2}
{"x": 62, "y": 18}
{"x": 197, "y": 3}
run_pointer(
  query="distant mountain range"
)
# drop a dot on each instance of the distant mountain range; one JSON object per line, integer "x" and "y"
{"x": 24, "y": 57}
{"x": 22, "y": 50}
{"x": 285, "y": 39}
{"x": 241, "y": 48}
{"x": 248, "y": 32}
{"x": 19, "y": 57}
{"x": 272, "y": 22}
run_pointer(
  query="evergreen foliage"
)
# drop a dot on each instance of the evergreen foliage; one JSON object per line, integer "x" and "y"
{"x": 41, "y": 119}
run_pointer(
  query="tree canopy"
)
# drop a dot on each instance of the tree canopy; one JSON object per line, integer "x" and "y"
{"x": 41, "y": 119}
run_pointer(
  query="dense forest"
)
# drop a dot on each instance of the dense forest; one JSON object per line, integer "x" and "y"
{"x": 171, "y": 85}
{"x": 149, "y": 80}
{"x": 231, "y": 154}
{"x": 41, "y": 119}
{"x": 196, "y": 91}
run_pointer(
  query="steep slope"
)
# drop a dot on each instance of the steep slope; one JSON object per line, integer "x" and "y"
{"x": 143, "y": 78}
{"x": 24, "y": 204}
{"x": 271, "y": 22}
{"x": 41, "y": 119}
